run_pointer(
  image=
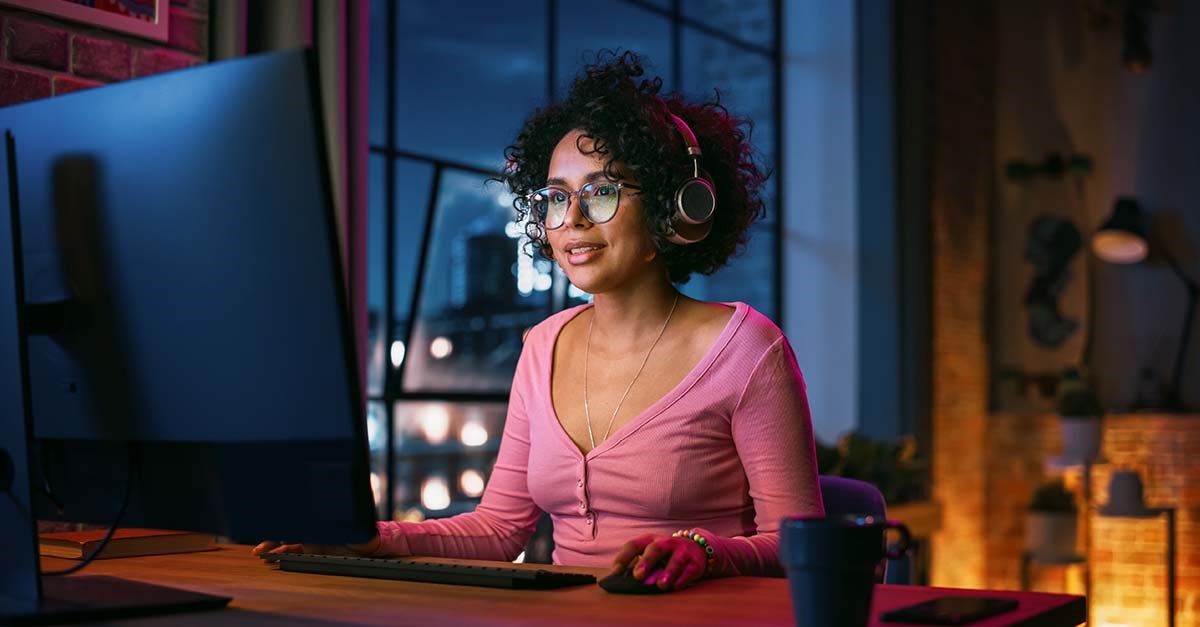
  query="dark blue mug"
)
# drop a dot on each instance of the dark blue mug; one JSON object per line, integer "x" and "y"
{"x": 832, "y": 565}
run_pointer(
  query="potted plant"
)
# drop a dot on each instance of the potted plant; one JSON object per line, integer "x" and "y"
{"x": 893, "y": 466}
{"x": 1050, "y": 524}
{"x": 896, "y": 467}
{"x": 1079, "y": 420}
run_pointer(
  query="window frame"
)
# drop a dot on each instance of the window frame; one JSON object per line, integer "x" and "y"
{"x": 392, "y": 388}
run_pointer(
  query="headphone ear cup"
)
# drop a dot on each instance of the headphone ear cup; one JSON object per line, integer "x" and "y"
{"x": 695, "y": 205}
{"x": 683, "y": 233}
{"x": 695, "y": 201}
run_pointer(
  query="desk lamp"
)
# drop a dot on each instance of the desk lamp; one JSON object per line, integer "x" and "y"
{"x": 1123, "y": 240}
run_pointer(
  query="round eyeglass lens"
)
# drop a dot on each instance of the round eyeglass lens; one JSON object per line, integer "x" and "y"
{"x": 600, "y": 199}
{"x": 551, "y": 204}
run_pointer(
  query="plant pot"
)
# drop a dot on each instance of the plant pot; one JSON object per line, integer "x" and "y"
{"x": 1050, "y": 536}
{"x": 1080, "y": 440}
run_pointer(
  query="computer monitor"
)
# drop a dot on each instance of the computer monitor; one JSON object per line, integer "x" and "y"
{"x": 171, "y": 296}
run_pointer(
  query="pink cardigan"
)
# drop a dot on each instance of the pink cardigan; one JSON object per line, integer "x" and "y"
{"x": 728, "y": 452}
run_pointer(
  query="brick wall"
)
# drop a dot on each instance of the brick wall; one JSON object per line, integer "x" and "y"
{"x": 961, "y": 183}
{"x": 1127, "y": 557}
{"x": 1018, "y": 446}
{"x": 45, "y": 56}
{"x": 986, "y": 465}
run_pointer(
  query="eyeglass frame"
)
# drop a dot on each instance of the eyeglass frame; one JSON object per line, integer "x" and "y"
{"x": 576, "y": 195}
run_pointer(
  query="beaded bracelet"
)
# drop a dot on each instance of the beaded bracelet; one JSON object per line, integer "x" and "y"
{"x": 703, "y": 542}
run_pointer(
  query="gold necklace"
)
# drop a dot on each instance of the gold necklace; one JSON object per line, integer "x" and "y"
{"x": 587, "y": 349}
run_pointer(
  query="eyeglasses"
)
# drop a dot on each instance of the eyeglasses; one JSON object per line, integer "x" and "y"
{"x": 597, "y": 202}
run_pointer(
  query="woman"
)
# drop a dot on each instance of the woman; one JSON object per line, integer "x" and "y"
{"x": 646, "y": 413}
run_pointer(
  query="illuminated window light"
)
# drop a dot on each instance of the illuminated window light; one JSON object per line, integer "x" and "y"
{"x": 376, "y": 487}
{"x": 542, "y": 282}
{"x": 471, "y": 482}
{"x": 526, "y": 273}
{"x": 412, "y": 514}
{"x": 441, "y": 347}
{"x": 435, "y": 494}
{"x": 435, "y": 423}
{"x": 473, "y": 434}
{"x": 397, "y": 353}
{"x": 374, "y": 428}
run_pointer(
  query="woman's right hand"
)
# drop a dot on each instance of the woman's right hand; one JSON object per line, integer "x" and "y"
{"x": 354, "y": 550}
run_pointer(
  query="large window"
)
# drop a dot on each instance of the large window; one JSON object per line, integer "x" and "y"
{"x": 450, "y": 290}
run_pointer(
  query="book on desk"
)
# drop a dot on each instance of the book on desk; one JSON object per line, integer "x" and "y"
{"x": 124, "y": 543}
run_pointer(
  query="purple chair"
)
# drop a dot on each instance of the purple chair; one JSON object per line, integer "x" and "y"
{"x": 844, "y": 496}
{"x": 850, "y": 496}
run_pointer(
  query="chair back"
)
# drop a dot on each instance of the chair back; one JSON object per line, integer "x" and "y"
{"x": 844, "y": 496}
{"x": 850, "y": 496}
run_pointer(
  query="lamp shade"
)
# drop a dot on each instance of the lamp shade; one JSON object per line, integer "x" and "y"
{"x": 1125, "y": 496}
{"x": 1122, "y": 239}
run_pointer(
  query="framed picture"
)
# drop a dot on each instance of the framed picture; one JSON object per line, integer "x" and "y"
{"x": 143, "y": 18}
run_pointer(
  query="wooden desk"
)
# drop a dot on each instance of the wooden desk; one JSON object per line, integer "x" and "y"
{"x": 263, "y": 595}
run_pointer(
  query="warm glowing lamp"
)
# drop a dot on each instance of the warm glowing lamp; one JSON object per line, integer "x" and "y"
{"x": 1126, "y": 500}
{"x": 1123, "y": 239}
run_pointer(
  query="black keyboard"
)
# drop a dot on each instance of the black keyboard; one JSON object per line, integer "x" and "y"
{"x": 459, "y": 574}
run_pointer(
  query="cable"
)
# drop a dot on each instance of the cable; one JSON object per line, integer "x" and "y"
{"x": 133, "y": 463}
{"x": 46, "y": 488}
{"x": 16, "y": 503}
{"x": 8, "y": 476}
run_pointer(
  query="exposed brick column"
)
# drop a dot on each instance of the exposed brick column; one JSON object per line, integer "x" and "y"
{"x": 962, "y": 37}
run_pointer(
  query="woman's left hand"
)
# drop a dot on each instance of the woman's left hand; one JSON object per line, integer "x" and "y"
{"x": 681, "y": 560}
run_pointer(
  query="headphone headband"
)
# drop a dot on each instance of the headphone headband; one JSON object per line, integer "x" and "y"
{"x": 689, "y": 137}
{"x": 695, "y": 199}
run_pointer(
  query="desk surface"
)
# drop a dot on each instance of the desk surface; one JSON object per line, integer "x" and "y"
{"x": 264, "y": 595}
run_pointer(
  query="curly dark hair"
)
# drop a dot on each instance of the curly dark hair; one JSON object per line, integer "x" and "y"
{"x": 630, "y": 123}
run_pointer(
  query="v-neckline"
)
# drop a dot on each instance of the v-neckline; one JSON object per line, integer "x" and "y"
{"x": 655, "y": 408}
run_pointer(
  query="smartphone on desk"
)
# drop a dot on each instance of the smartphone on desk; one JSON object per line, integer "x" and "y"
{"x": 949, "y": 610}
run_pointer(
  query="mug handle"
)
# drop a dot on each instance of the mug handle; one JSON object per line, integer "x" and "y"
{"x": 899, "y": 549}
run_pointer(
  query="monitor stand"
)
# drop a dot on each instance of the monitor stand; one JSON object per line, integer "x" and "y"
{"x": 25, "y": 596}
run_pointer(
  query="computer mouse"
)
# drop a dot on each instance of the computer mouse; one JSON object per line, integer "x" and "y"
{"x": 625, "y": 583}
